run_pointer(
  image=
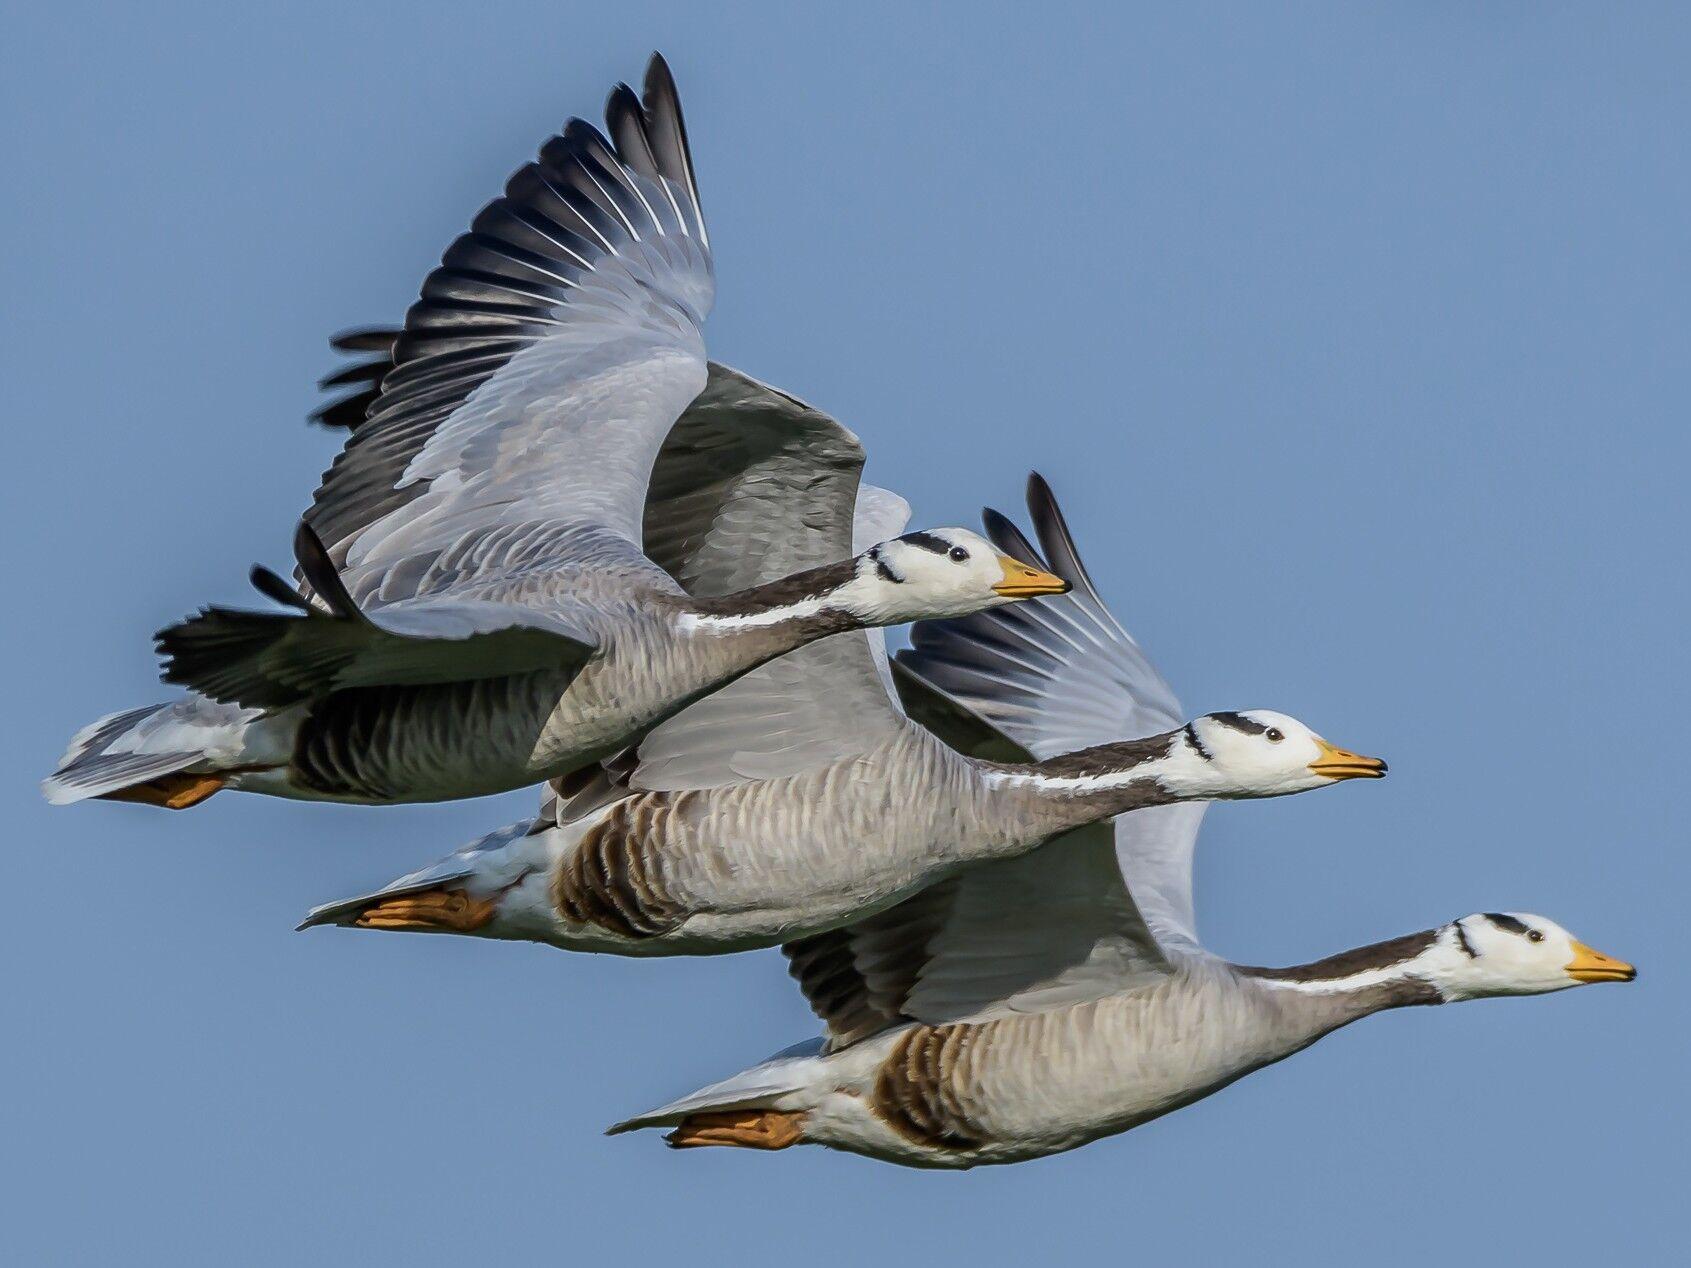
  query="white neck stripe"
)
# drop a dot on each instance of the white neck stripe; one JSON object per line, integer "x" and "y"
{"x": 1074, "y": 783}
{"x": 693, "y": 623}
{"x": 1341, "y": 985}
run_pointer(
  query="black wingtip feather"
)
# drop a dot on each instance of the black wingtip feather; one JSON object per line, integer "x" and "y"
{"x": 320, "y": 573}
{"x": 212, "y": 651}
{"x": 1002, "y": 532}
{"x": 1053, "y": 530}
{"x": 365, "y": 339}
{"x": 271, "y": 586}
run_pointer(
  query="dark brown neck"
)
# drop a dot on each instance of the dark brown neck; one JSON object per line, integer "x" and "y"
{"x": 1361, "y": 981}
{"x": 800, "y": 591}
{"x": 1092, "y": 783}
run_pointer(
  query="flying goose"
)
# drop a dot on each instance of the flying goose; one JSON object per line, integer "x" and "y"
{"x": 481, "y": 608}
{"x": 801, "y": 797}
{"x": 1030, "y": 1005}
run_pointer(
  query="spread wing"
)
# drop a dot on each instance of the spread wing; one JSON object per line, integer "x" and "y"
{"x": 1050, "y": 928}
{"x": 1060, "y": 924}
{"x": 751, "y": 484}
{"x": 537, "y": 376}
{"x": 1059, "y": 674}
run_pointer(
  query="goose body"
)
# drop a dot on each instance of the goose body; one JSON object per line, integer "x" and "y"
{"x": 1023, "y": 1085}
{"x": 1028, "y": 1005}
{"x": 800, "y": 798}
{"x": 489, "y": 572}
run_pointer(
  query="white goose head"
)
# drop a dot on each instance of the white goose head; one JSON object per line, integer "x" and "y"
{"x": 1260, "y": 753}
{"x": 1511, "y": 953}
{"x": 942, "y": 572}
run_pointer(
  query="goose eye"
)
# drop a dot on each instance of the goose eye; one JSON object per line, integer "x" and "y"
{"x": 958, "y": 554}
{"x": 1274, "y": 734}
{"x": 1533, "y": 935}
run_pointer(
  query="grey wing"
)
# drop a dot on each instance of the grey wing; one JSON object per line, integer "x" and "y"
{"x": 1047, "y": 929}
{"x": 539, "y": 372}
{"x": 1058, "y": 674}
{"x": 1091, "y": 912}
{"x": 751, "y": 484}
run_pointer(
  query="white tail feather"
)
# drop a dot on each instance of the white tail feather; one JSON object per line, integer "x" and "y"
{"x": 788, "y": 1072}
{"x": 122, "y": 750}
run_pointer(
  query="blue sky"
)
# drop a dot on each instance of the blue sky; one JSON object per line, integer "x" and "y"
{"x": 1352, "y": 336}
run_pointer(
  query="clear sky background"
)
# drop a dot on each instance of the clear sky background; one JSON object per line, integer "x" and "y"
{"x": 1353, "y": 336}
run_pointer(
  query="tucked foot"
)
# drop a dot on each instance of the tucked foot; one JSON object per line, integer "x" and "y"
{"x": 749, "y": 1129}
{"x": 173, "y": 792}
{"x": 432, "y": 910}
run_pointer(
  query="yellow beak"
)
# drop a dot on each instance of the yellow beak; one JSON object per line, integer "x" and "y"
{"x": 1341, "y": 763}
{"x": 1022, "y": 581}
{"x": 1593, "y": 966}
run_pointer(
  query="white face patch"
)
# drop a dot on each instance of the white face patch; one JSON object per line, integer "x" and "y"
{"x": 1502, "y": 953}
{"x": 1257, "y": 753}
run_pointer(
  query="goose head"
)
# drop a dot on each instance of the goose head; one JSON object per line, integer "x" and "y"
{"x": 1260, "y": 753}
{"x": 1511, "y": 953}
{"x": 941, "y": 572}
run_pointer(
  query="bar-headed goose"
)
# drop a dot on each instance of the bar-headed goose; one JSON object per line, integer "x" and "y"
{"x": 801, "y": 797}
{"x": 477, "y": 610}
{"x": 1030, "y": 1005}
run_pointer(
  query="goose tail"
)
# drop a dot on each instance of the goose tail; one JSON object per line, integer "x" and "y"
{"x": 760, "y": 1108}
{"x": 459, "y": 894}
{"x": 170, "y": 755}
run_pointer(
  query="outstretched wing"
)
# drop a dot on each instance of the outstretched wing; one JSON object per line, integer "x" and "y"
{"x": 1059, "y": 674}
{"x": 1060, "y": 924}
{"x": 538, "y": 374}
{"x": 751, "y": 484}
{"x": 1044, "y": 930}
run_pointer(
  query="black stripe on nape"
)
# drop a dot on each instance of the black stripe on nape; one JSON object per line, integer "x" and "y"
{"x": 927, "y": 541}
{"x": 1378, "y": 955}
{"x": 1195, "y": 742}
{"x": 1239, "y": 722}
{"x": 887, "y": 574}
{"x": 1462, "y": 941}
{"x": 1506, "y": 923}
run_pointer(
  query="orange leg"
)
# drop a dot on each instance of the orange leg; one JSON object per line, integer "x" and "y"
{"x": 173, "y": 792}
{"x": 749, "y": 1129}
{"x": 433, "y": 910}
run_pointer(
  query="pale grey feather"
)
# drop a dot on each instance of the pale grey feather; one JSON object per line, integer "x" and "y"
{"x": 540, "y": 371}
{"x": 1060, "y": 674}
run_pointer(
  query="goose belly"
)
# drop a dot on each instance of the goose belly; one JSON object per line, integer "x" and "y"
{"x": 463, "y": 739}
{"x": 1029, "y": 1085}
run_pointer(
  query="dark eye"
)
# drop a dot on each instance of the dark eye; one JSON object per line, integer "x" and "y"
{"x": 958, "y": 554}
{"x": 1274, "y": 734}
{"x": 1533, "y": 935}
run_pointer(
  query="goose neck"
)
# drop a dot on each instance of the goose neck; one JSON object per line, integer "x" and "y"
{"x": 1096, "y": 783}
{"x": 781, "y": 615}
{"x": 1342, "y": 988}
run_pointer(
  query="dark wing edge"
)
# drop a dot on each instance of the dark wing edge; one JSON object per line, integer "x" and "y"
{"x": 499, "y": 285}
